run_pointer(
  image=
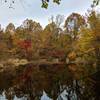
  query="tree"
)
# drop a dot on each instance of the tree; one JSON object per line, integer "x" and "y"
{"x": 50, "y": 32}
{"x": 29, "y": 31}
{"x": 45, "y": 3}
{"x": 95, "y": 3}
{"x": 10, "y": 28}
{"x": 31, "y": 26}
{"x": 94, "y": 22}
{"x": 73, "y": 24}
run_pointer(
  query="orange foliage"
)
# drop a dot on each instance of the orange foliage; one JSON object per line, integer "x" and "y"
{"x": 25, "y": 44}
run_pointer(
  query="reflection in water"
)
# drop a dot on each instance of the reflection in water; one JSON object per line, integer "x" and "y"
{"x": 59, "y": 81}
{"x": 45, "y": 97}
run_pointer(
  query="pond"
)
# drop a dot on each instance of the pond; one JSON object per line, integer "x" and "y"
{"x": 48, "y": 82}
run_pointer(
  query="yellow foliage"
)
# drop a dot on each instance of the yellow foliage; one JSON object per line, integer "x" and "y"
{"x": 72, "y": 55}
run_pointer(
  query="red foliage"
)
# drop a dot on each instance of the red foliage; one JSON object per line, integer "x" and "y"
{"x": 56, "y": 53}
{"x": 25, "y": 44}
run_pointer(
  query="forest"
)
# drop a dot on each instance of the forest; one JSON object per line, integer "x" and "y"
{"x": 64, "y": 55}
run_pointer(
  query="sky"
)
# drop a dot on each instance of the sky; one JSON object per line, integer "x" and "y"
{"x": 31, "y": 9}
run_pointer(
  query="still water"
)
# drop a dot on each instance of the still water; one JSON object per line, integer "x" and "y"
{"x": 52, "y": 82}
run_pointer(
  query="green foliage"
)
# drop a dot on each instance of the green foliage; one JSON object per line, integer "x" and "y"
{"x": 96, "y": 2}
{"x": 45, "y": 3}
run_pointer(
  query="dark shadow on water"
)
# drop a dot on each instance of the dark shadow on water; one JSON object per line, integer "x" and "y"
{"x": 58, "y": 81}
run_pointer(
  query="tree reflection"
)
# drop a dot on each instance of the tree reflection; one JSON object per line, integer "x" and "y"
{"x": 53, "y": 79}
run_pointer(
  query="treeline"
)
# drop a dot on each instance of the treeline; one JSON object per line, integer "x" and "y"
{"x": 76, "y": 48}
{"x": 78, "y": 41}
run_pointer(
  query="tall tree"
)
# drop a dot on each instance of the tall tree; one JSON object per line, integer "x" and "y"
{"x": 73, "y": 24}
{"x": 32, "y": 26}
{"x": 94, "y": 22}
{"x": 10, "y": 28}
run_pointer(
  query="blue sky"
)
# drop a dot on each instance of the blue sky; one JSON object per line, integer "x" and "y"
{"x": 32, "y": 9}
